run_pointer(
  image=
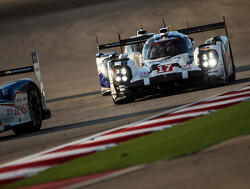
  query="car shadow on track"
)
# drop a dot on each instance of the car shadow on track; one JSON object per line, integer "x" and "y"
{"x": 72, "y": 96}
{"x": 243, "y": 68}
{"x": 86, "y": 123}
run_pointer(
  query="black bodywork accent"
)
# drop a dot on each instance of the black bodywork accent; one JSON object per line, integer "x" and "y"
{"x": 161, "y": 83}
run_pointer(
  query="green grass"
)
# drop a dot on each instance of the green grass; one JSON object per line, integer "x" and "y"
{"x": 184, "y": 139}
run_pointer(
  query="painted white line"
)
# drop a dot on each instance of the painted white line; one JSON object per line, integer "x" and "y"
{"x": 131, "y": 133}
{"x": 173, "y": 117}
{"x": 71, "y": 152}
{"x": 23, "y": 172}
{"x": 231, "y": 95}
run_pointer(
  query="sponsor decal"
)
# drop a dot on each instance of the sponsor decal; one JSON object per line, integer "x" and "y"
{"x": 9, "y": 111}
{"x": 164, "y": 68}
{"x": 111, "y": 45}
{"x": 144, "y": 74}
{"x": 205, "y": 48}
{"x": 8, "y": 72}
{"x": 19, "y": 100}
{"x": 186, "y": 67}
{"x": 177, "y": 57}
{"x": 21, "y": 109}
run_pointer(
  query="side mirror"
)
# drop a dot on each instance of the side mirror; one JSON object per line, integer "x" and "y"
{"x": 98, "y": 55}
{"x": 191, "y": 38}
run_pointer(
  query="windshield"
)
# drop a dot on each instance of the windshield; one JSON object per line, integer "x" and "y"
{"x": 134, "y": 48}
{"x": 165, "y": 48}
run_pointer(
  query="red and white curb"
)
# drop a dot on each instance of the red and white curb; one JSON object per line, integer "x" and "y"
{"x": 39, "y": 162}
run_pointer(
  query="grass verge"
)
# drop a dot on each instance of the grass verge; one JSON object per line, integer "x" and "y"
{"x": 187, "y": 138}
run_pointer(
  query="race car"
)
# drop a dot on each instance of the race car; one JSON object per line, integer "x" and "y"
{"x": 102, "y": 59}
{"x": 22, "y": 102}
{"x": 170, "y": 59}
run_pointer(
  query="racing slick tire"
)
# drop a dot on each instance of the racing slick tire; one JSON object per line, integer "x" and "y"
{"x": 35, "y": 111}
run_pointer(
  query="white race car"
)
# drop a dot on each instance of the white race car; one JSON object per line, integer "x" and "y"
{"x": 102, "y": 59}
{"x": 22, "y": 102}
{"x": 170, "y": 59}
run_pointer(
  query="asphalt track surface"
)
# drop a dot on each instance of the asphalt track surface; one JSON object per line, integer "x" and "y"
{"x": 65, "y": 41}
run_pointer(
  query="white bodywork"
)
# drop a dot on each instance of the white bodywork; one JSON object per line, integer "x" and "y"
{"x": 15, "y": 114}
{"x": 16, "y": 110}
{"x": 187, "y": 62}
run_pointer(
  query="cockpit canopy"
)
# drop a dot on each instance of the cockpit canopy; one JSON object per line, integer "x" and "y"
{"x": 137, "y": 47}
{"x": 166, "y": 46}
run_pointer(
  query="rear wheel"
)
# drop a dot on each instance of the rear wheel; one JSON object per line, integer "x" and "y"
{"x": 35, "y": 111}
{"x": 233, "y": 76}
{"x": 225, "y": 69}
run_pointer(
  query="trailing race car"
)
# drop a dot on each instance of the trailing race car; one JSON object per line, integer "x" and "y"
{"x": 169, "y": 59}
{"x": 102, "y": 59}
{"x": 22, "y": 102}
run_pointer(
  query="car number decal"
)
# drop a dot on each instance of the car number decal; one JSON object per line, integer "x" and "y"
{"x": 164, "y": 68}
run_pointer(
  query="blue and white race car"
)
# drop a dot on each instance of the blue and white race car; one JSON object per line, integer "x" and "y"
{"x": 102, "y": 59}
{"x": 22, "y": 102}
{"x": 170, "y": 59}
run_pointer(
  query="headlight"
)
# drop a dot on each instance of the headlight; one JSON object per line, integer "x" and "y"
{"x": 123, "y": 71}
{"x": 204, "y": 57}
{"x": 124, "y": 78}
{"x": 205, "y": 64}
{"x": 209, "y": 59}
{"x": 211, "y": 55}
{"x": 122, "y": 74}
{"x": 118, "y": 79}
{"x": 212, "y": 62}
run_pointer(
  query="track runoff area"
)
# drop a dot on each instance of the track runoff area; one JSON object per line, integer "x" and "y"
{"x": 39, "y": 162}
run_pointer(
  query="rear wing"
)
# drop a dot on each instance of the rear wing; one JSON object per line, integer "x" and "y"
{"x": 35, "y": 68}
{"x": 26, "y": 69}
{"x": 187, "y": 31}
{"x": 16, "y": 71}
{"x": 203, "y": 28}
{"x": 123, "y": 42}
